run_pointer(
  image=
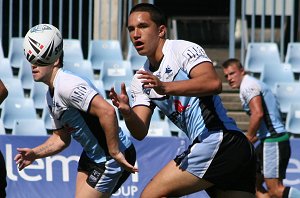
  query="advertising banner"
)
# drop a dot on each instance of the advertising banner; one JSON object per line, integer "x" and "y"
{"x": 55, "y": 176}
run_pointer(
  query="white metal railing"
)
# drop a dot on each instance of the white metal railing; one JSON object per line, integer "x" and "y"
{"x": 76, "y": 19}
{"x": 249, "y": 31}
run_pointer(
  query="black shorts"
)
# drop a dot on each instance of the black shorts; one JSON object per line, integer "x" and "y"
{"x": 273, "y": 158}
{"x": 97, "y": 173}
{"x": 234, "y": 166}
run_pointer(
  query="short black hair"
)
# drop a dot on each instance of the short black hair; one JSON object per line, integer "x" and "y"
{"x": 156, "y": 14}
{"x": 231, "y": 61}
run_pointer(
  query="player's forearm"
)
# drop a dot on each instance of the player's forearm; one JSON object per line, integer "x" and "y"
{"x": 138, "y": 129}
{"x": 52, "y": 146}
{"x": 254, "y": 124}
{"x": 193, "y": 87}
{"x": 109, "y": 124}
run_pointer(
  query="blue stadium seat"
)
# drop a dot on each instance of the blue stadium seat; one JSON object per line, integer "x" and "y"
{"x": 293, "y": 56}
{"x": 117, "y": 87}
{"x": 25, "y": 75}
{"x": 115, "y": 71}
{"x": 156, "y": 115}
{"x": 15, "y": 53}
{"x": 259, "y": 54}
{"x": 277, "y": 73}
{"x": 17, "y": 108}
{"x": 14, "y": 87}
{"x": 136, "y": 60}
{"x": 159, "y": 128}
{"x": 1, "y": 51}
{"x": 175, "y": 131}
{"x": 38, "y": 94}
{"x": 34, "y": 127}
{"x": 2, "y": 129}
{"x": 72, "y": 50}
{"x": 293, "y": 118}
{"x": 47, "y": 118}
{"x": 286, "y": 94}
{"x": 81, "y": 68}
{"x": 99, "y": 85}
{"x": 103, "y": 50}
{"x": 5, "y": 68}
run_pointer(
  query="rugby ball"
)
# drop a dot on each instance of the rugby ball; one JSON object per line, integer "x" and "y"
{"x": 43, "y": 45}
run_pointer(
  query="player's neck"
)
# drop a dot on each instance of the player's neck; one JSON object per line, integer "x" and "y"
{"x": 154, "y": 65}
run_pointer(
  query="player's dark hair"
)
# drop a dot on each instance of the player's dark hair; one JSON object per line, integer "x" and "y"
{"x": 61, "y": 59}
{"x": 232, "y": 61}
{"x": 156, "y": 14}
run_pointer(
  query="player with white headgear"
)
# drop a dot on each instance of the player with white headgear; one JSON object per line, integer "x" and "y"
{"x": 78, "y": 110}
{"x": 43, "y": 45}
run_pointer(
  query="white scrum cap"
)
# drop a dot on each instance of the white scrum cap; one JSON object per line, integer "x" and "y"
{"x": 43, "y": 45}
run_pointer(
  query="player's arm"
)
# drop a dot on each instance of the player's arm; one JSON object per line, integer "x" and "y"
{"x": 3, "y": 92}
{"x": 256, "y": 117}
{"x": 58, "y": 141}
{"x": 204, "y": 81}
{"x": 137, "y": 119}
{"x": 108, "y": 119}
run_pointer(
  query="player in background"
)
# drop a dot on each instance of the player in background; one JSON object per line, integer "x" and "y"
{"x": 265, "y": 125}
{"x": 78, "y": 111}
{"x": 180, "y": 80}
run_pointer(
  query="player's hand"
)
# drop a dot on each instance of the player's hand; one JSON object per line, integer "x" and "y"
{"x": 151, "y": 81}
{"x": 24, "y": 158}
{"x": 119, "y": 157}
{"x": 120, "y": 101}
{"x": 251, "y": 138}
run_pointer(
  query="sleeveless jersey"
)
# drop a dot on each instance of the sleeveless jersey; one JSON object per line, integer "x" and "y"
{"x": 69, "y": 108}
{"x": 193, "y": 115}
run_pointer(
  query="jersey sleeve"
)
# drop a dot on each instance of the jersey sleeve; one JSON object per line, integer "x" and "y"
{"x": 193, "y": 55}
{"x": 249, "y": 91}
{"x": 137, "y": 93}
{"x": 78, "y": 94}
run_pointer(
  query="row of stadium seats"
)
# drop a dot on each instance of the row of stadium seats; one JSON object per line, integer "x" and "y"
{"x": 260, "y": 55}
{"x": 99, "y": 52}
{"x": 20, "y": 117}
{"x": 113, "y": 72}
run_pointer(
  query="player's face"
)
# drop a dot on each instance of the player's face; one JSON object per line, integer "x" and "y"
{"x": 42, "y": 74}
{"x": 234, "y": 75}
{"x": 144, "y": 33}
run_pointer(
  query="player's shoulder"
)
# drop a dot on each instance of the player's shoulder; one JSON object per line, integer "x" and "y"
{"x": 66, "y": 81}
{"x": 67, "y": 78}
{"x": 249, "y": 80}
{"x": 180, "y": 44}
{"x": 185, "y": 49}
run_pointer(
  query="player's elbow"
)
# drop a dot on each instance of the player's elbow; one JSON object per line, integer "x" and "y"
{"x": 110, "y": 111}
{"x": 217, "y": 86}
{"x": 257, "y": 114}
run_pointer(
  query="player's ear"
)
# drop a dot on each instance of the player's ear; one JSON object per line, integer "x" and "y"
{"x": 162, "y": 31}
{"x": 243, "y": 71}
{"x": 57, "y": 62}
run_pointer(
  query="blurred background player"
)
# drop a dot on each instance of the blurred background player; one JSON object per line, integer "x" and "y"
{"x": 78, "y": 111}
{"x": 181, "y": 81}
{"x": 3, "y": 95}
{"x": 265, "y": 125}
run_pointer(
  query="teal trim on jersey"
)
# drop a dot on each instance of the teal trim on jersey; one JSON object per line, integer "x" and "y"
{"x": 281, "y": 138}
